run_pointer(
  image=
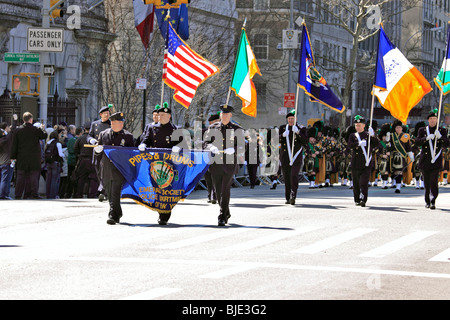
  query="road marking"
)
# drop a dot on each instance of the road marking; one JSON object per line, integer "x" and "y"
{"x": 270, "y": 238}
{"x": 333, "y": 241}
{"x": 444, "y": 256}
{"x": 201, "y": 239}
{"x": 152, "y": 294}
{"x": 229, "y": 271}
{"x": 397, "y": 244}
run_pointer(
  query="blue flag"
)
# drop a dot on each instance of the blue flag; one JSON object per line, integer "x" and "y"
{"x": 156, "y": 178}
{"x": 178, "y": 19}
{"x": 311, "y": 81}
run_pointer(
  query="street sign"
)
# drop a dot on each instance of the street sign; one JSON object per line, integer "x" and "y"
{"x": 49, "y": 70}
{"x": 45, "y": 40}
{"x": 290, "y": 39}
{"x": 289, "y": 100}
{"x": 141, "y": 83}
{"x": 21, "y": 57}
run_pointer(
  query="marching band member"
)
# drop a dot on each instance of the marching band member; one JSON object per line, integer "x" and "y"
{"x": 402, "y": 155}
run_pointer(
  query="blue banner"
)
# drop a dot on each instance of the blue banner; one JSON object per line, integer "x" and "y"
{"x": 158, "y": 178}
{"x": 311, "y": 81}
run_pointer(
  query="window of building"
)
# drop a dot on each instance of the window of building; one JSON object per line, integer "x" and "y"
{"x": 261, "y": 46}
{"x": 261, "y": 91}
{"x": 261, "y": 5}
{"x": 344, "y": 55}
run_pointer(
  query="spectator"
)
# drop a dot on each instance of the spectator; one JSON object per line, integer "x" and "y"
{"x": 26, "y": 151}
{"x": 54, "y": 157}
{"x": 6, "y": 168}
{"x": 68, "y": 188}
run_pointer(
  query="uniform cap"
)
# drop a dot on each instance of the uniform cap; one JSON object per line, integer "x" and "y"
{"x": 433, "y": 113}
{"x": 359, "y": 119}
{"x": 226, "y": 108}
{"x": 103, "y": 109}
{"x": 118, "y": 116}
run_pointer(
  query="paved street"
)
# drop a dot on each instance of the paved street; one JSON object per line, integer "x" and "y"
{"x": 324, "y": 247}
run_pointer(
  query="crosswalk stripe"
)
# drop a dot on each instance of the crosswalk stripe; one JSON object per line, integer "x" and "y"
{"x": 444, "y": 256}
{"x": 397, "y": 244}
{"x": 333, "y": 241}
{"x": 270, "y": 238}
{"x": 201, "y": 238}
{"x": 152, "y": 294}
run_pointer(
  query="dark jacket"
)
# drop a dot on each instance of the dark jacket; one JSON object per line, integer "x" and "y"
{"x": 6, "y": 144}
{"x": 358, "y": 159}
{"x": 425, "y": 155}
{"x": 26, "y": 148}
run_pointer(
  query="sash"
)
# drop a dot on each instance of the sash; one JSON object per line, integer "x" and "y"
{"x": 291, "y": 160}
{"x": 368, "y": 158}
{"x": 433, "y": 156}
{"x": 398, "y": 145}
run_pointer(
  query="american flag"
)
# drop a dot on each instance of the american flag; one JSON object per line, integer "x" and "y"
{"x": 184, "y": 70}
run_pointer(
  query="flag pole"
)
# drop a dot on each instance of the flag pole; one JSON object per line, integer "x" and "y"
{"x": 295, "y": 122}
{"x": 439, "y": 110}
{"x": 370, "y": 123}
{"x": 167, "y": 39}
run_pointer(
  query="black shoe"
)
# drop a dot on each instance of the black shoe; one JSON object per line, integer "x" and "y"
{"x": 36, "y": 197}
{"x": 357, "y": 203}
{"x": 221, "y": 223}
{"x": 162, "y": 222}
{"x": 274, "y": 186}
{"x": 209, "y": 201}
{"x": 101, "y": 197}
{"x": 397, "y": 190}
{"x": 362, "y": 204}
{"x": 432, "y": 206}
{"x": 213, "y": 201}
{"x": 427, "y": 205}
{"x": 292, "y": 201}
{"x": 112, "y": 221}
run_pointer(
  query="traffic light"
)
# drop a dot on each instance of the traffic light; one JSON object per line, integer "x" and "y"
{"x": 57, "y": 12}
{"x": 20, "y": 83}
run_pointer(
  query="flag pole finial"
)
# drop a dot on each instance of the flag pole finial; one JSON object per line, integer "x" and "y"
{"x": 245, "y": 22}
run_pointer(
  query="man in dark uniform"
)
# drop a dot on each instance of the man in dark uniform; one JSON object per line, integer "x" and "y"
{"x": 291, "y": 159}
{"x": 160, "y": 136}
{"x": 230, "y": 141}
{"x": 155, "y": 117}
{"x": 362, "y": 161}
{"x": 96, "y": 127}
{"x": 85, "y": 170}
{"x": 212, "y": 197}
{"x": 400, "y": 152}
{"x": 113, "y": 179}
{"x": 430, "y": 161}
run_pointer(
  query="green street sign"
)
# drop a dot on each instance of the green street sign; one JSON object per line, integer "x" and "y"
{"x": 21, "y": 57}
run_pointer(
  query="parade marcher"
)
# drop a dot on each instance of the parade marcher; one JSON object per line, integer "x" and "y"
{"x": 417, "y": 173}
{"x": 212, "y": 197}
{"x": 291, "y": 157}
{"x": 430, "y": 161}
{"x": 96, "y": 127}
{"x": 252, "y": 158}
{"x": 160, "y": 136}
{"x": 312, "y": 155}
{"x": 84, "y": 169}
{"x": 401, "y": 153}
{"x": 383, "y": 163}
{"x": 6, "y": 167}
{"x": 110, "y": 175}
{"x": 221, "y": 140}
{"x": 362, "y": 161}
{"x": 26, "y": 150}
{"x": 155, "y": 117}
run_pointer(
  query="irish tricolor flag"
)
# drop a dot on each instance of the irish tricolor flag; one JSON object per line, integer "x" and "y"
{"x": 245, "y": 68}
{"x": 443, "y": 78}
{"x": 399, "y": 86}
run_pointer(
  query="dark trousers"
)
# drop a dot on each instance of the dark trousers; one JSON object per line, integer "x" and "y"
{"x": 361, "y": 183}
{"x": 430, "y": 182}
{"x": 27, "y": 184}
{"x": 290, "y": 174}
{"x": 252, "y": 170}
{"x": 222, "y": 184}
{"x": 209, "y": 185}
{"x": 113, "y": 190}
{"x": 53, "y": 179}
{"x": 85, "y": 173}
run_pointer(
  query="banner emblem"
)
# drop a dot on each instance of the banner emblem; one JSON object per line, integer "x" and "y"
{"x": 162, "y": 173}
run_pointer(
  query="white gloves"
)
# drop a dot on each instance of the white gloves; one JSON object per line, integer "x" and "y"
{"x": 437, "y": 134}
{"x": 388, "y": 136}
{"x": 430, "y": 136}
{"x": 371, "y": 132}
{"x": 362, "y": 143}
{"x": 229, "y": 150}
{"x": 142, "y": 147}
{"x": 214, "y": 149}
{"x": 295, "y": 129}
{"x": 411, "y": 156}
{"x": 286, "y": 133}
{"x": 93, "y": 141}
{"x": 176, "y": 149}
{"x": 98, "y": 149}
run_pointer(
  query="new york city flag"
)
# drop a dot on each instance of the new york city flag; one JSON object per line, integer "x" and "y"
{"x": 311, "y": 81}
{"x": 443, "y": 78}
{"x": 158, "y": 178}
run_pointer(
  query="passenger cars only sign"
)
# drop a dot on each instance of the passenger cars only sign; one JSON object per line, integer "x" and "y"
{"x": 45, "y": 40}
